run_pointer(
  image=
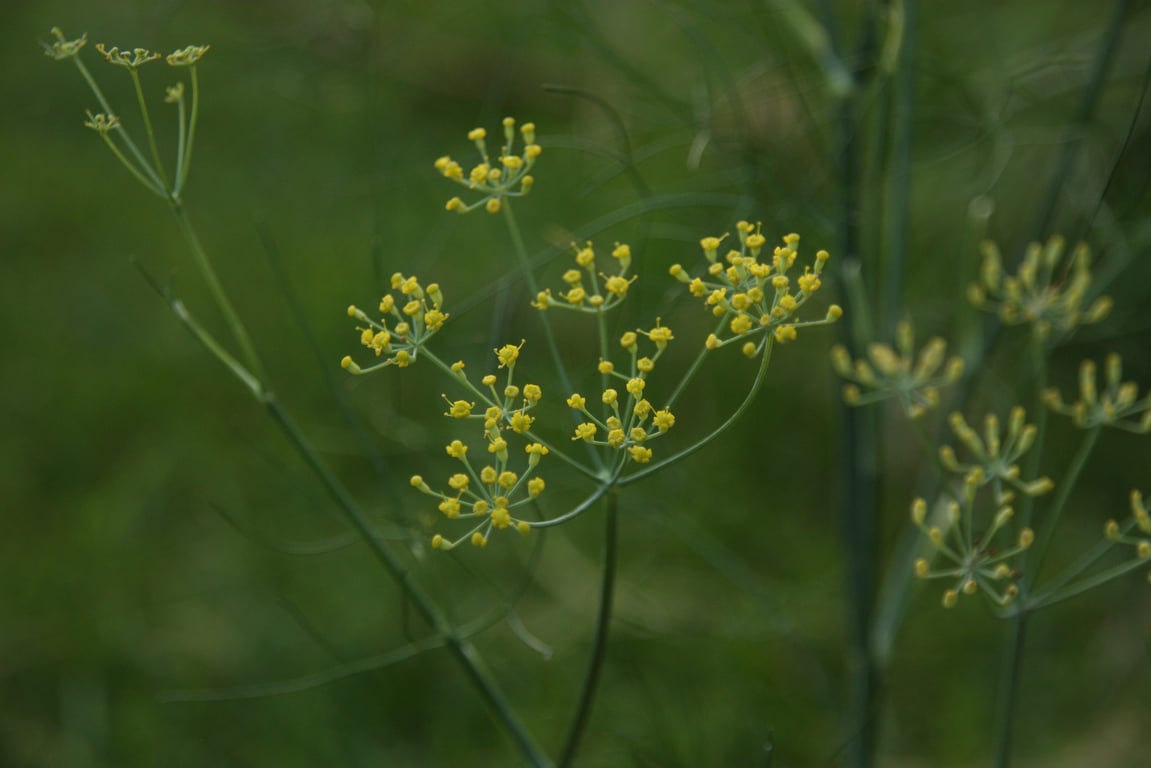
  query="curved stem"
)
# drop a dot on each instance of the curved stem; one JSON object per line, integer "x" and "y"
{"x": 599, "y": 643}
{"x": 760, "y": 375}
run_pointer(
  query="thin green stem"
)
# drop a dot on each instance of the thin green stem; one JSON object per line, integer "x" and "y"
{"x": 132, "y": 169}
{"x": 600, "y": 639}
{"x": 582, "y": 507}
{"x": 181, "y": 142}
{"x": 692, "y": 370}
{"x": 1009, "y": 689}
{"x": 1078, "y": 588}
{"x": 1066, "y": 486}
{"x": 182, "y": 177}
{"x": 221, "y": 297}
{"x": 765, "y": 361}
{"x": 159, "y": 165}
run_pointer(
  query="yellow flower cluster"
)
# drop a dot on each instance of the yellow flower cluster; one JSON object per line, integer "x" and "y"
{"x": 590, "y": 297}
{"x": 976, "y": 563}
{"x": 996, "y": 457}
{"x": 755, "y": 296}
{"x": 1118, "y": 405}
{"x": 895, "y": 372}
{"x": 1044, "y": 293}
{"x": 1140, "y": 521}
{"x": 629, "y": 420}
{"x": 489, "y": 494}
{"x": 508, "y": 176}
{"x": 416, "y": 314}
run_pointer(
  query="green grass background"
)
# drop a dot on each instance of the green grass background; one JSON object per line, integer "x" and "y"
{"x": 144, "y": 495}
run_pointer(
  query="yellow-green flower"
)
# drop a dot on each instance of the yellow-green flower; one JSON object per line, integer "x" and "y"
{"x": 1117, "y": 405}
{"x": 996, "y": 457}
{"x": 897, "y": 373}
{"x": 1045, "y": 293}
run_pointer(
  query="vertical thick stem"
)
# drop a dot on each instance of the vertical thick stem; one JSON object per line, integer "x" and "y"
{"x": 599, "y": 643}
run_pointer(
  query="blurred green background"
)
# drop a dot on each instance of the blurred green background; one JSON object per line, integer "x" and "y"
{"x": 161, "y": 540}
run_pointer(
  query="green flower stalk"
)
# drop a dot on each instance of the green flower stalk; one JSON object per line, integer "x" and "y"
{"x": 898, "y": 373}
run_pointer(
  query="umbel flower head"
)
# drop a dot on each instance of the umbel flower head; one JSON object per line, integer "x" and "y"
{"x": 590, "y": 290}
{"x": 411, "y": 316}
{"x": 508, "y": 176}
{"x": 897, "y": 373}
{"x": 1118, "y": 405}
{"x": 628, "y": 422}
{"x": 973, "y": 563}
{"x": 488, "y": 494}
{"x": 64, "y": 48}
{"x": 996, "y": 458}
{"x": 1045, "y": 293}
{"x": 753, "y": 297}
